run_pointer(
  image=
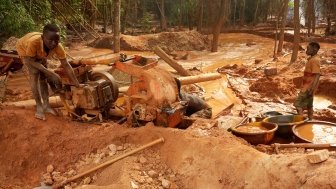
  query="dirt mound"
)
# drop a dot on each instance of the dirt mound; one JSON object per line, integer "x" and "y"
{"x": 105, "y": 42}
{"x": 326, "y": 115}
{"x": 9, "y": 44}
{"x": 169, "y": 41}
{"x": 199, "y": 157}
{"x": 29, "y": 145}
{"x": 327, "y": 86}
{"x": 274, "y": 87}
{"x": 290, "y": 46}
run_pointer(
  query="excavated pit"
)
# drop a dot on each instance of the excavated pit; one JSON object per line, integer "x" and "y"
{"x": 199, "y": 157}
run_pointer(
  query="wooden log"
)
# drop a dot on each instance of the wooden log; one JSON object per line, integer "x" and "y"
{"x": 304, "y": 145}
{"x": 171, "y": 62}
{"x": 54, "y": 101}
{"x": 103, "y": 59}
{"x": 199, "y": 78}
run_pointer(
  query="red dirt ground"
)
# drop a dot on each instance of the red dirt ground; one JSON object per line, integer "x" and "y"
{"x": 201, "y": 156}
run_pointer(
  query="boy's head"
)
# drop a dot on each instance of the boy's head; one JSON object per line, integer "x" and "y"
{"x": 312, "y": 48}
{"x": 50, "y": 36}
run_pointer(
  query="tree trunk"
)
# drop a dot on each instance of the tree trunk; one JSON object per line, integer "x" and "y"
{"x": 234, "y": 14}
{"x": 111, "y": 15}
{"x": 276, "y": 38}
{"x": 218, "y": 26}
{"x": 200, "y": 15}
{"x": 93, "y": 13}
{"x": 255, "y": 13}
{"x": 283, "y": 25}
{"x": 309, "y": 14}
{"x": 328, "y": 28}
{"x": 117, "y": 26}
{"x": 268, "y": 5}
{"x": 163, "y": 21}
{"x": 296, "y": 31}
{"x": 105, "y": 17}
{"x": 181, "y": 15}
{"x": 124, "y": 17}
{"x": 313, "y": 19}
{"x": 242, "y": 13}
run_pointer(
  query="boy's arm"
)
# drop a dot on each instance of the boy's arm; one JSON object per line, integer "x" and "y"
{"x": 30, "y": 61}
{"x": 313, "y": 86}
{"x": 69, "y": 71}
{"x": 316, "y": 70}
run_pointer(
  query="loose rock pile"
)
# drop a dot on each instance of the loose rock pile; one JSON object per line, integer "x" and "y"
{"x": 144, "y": 170}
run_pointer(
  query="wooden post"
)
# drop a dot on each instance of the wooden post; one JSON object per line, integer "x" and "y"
{"x": 296, "y": 31}
{"x": 117, "y": 26}
{"x": 171, "y": 62}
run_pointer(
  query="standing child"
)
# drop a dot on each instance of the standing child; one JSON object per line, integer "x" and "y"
{"x": 311, "y": 78}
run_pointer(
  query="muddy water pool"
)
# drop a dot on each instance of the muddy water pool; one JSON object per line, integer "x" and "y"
{"x": 317, "y": 133}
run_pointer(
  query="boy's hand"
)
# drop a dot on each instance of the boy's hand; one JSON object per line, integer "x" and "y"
{"x": 310, "y": 92}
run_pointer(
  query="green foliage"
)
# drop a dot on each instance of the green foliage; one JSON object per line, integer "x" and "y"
{"x": 291, "y": 4}
{"x": 39, "y": 10}
{"x": 18, "y": 17}
{"x": 14, "y": 19}
{"x": 146, "y": 21}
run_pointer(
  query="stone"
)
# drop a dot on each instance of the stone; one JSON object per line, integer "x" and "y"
{"x": 67, "y": 187}
{"x": 249, "y": 44}
{"x": 258, "y": 60}
{"x": 332, "y": 107}
{"x": 119, "y": 148}
{"x": 56, "y": 173}
{"x": 73, "y": 184}
{"x": 140, "y": 179}
{"x": 153, "y": 174}
{"x": 150, "y": 124}
{"x": 269, "y": 71}
{"x": 71, "y": 173}
{"x": 318, "y": 156}
{"x": 126, "y": 145}
{"x": 165, "y": 183}
{"x": 47, "y": 179}
{"x": 136, "y": 167}
{"x": 149, "y": 180}
{"x": 97, "y": 160}
{"x": 50, "y": 168}
{"x": 112, "y": 148}
{"x": 225, "y": 122}
{"x": 169, "y": 171}
{"x": 106, "y": 124}
{"x": 57, "y": 177}
{"x": 142, "y": 160}
{"x": 87, "y": 181}
{"x": 134, "y": 185}
{"x": 172, "y": 176}
{"x": 173, "y": 186}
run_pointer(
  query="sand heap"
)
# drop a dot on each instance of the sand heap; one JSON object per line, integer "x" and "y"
{"x": 169, "y": 41}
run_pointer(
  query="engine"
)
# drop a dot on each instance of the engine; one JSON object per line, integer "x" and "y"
{"x": 97, "y": 94}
